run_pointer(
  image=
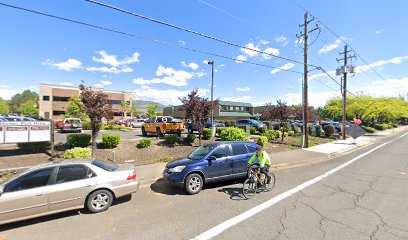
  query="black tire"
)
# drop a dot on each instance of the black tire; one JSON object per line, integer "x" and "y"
{"x": 194, "y": 183}
{"x": 99, "y": 201}
{"x": 269, "y": 186}
{"x": 249, "y": 189}
{"x": 158, "y": 132}
{"x": 144, "y": 133}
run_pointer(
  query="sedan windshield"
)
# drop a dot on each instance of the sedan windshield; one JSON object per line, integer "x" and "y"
{"x": 110, "y": 167}
{"x": 200, "y": 152}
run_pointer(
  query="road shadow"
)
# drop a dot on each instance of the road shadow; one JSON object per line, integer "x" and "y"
{"x": 165, "y": 187}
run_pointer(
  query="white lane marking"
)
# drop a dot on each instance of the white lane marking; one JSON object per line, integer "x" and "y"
{"x": 215, "y": 231}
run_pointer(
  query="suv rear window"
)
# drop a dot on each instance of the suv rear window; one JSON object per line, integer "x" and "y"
{"x": 107, "y": 166}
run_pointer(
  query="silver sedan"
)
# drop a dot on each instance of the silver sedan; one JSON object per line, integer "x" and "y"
{"x": 67, "y": 185}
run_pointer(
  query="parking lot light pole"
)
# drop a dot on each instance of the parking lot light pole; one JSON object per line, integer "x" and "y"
{"x": 212, "y": 95}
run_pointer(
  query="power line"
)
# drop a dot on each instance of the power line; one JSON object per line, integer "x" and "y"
{"x": 191, "y": 31}
{"x": 143, "y": 38}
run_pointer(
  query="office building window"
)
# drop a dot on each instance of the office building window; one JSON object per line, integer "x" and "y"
{"x": 118, "y": 114}
{"x": 46, "y": 98}
{"x": 116, "y": 101}
{"x": 58, "y": 113}
{"x": 60, "y": 99}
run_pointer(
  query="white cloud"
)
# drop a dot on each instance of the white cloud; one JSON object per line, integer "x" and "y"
{"x": 386, "y": 88}
{"x": 287, "y": 66}
{"x": 68, "y": 84}
{"x": 33, "y": 87}
{"x": 169, "y": 96}
{"x": 191, "y": 65}
{"x": 317, "y": 99}
{"x": 68, "y": 65}
{"x": 205, "y": 61}
{"x": 169, "y": 76}
{"x": 182, "y": 43}
{"x": 7, "y": 93}
{"x": 98, "y": 85}
{"x": 330, "y": 47}
{"x": 282, "y": 40}
{"x": 240, "y": 58}
{"x": 299, "y": 41}
{"x": 106, "y": 76}
{"x": 110, "y": 69}
{"x": 144, "y": 87}
{"x": 264, "y": 42}
{"x": 200, "y": 74}
{"x": 273, "y": 51}
{"x": 105, "y": 83}
{"x": 113, "y": 61}
{"x": 221, "y": 65}
{"x": 4, "y": 86}
{"x": 379, "y": 31}
{"x": 242, "y": 89}
{"x": 249, "y": 52}
{"x": 236, "y": 99}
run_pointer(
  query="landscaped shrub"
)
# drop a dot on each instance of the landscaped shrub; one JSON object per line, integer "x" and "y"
{"x": 207, "y": 133}
{"x": 219, "y": 130}
{"x": 318, "y": 130}
{"x": 115, "y": 127}
{"x": 394, "y": 125}
{"x": 78, "y": 153}
{"x": 270, "y": 125}
{"x": 252, "y": 130}
{"x": 278, "y": 133}
{"x": 233, "y": 134}
{"x": 262, "y": 141}
{"x": 79, "y": 140}
{"x": 310, "y": 130}
{"x": 295, "y": 128}
{"x": 368, "y": 129}
{"x": 171, "y": 138}
{"x": 86, "y": 125}
{"x": 270, "y": 135}
{"x": 34, "y": 147}
{"x": 276, "y": 126}
{"x": 145, "y": 143}
{"x": 191, "y": 137}
{"x": 291, "y": 133}
{"x": 286, "y": 134}
{"x": 232, "y": 124}
{"x": 328, "y": 130}
{"x": 110, "y": 140}
{"x": 262, "y": 130}
{"x": 381, "y": 126}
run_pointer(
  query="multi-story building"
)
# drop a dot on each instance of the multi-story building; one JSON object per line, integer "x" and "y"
{"x": 224, "y": 111}
{"x": 54, "y": 99}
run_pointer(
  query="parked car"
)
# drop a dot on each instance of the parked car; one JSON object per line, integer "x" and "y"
{"x": 69, "y": 125}
{"x": 210, "y": 163}
{"x": 207, "y": 124}
{"x": 162, "y": 125}
{"x": 250, "y": 122}
{"x": 71, "y": 184}
{"x": 137, "y": 123}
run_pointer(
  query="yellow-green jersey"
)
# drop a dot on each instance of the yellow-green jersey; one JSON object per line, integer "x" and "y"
{"x": 263, "y": 159}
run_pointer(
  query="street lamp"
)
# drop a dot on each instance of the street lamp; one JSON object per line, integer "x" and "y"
{"x": 212, "y": 94}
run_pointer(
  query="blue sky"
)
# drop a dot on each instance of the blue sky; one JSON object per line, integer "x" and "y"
{"x": 38, "y": 49}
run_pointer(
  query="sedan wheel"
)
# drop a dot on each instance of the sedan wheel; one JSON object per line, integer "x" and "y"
{"x": 194, "y": 183}
{"x": 99, "y": 201}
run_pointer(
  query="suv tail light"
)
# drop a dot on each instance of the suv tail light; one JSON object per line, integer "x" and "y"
{"x": 131, "y": 176}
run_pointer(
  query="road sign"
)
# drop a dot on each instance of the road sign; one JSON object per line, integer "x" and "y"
{"x": 355, "y": 131}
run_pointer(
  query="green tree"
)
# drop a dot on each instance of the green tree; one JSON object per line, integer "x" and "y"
{"x": 20, "y": 98}
{"x": 73, "y": 109}
{"x": 29, "y": 108}
{"x": 4, "y": 108}
{"x": 127, "y": 108}
{"x": 151, "y": 111}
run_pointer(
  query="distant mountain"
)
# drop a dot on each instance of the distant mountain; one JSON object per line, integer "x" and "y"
{"x": 141, "y": 105}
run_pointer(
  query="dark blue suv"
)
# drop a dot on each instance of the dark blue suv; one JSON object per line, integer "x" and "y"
{"x": 210, "y": 163}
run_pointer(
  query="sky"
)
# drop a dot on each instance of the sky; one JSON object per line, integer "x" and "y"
{"x": 36, "y": 49}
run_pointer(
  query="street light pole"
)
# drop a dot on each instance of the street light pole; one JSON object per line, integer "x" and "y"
{"x": 212, "y": 94}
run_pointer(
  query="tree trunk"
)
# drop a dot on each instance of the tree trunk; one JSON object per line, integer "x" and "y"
{"x": 199, "y": 138}
{"x": 94, "y": 135}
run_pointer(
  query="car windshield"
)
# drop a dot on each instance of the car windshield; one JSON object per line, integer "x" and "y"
{"x": 256, "y": 121}
{"x": 110, "y": 167}
{"x": 200, "y": 152}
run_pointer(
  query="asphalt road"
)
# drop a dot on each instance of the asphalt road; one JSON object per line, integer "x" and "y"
{"x": 364, "y": 200}
{"x": 136, "y": 133}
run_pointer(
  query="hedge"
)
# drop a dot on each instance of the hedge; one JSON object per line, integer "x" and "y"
{"x": 262, "y": 130}
{"x": 318, "y": 130}
{"x": 270, "y": 135}
{"x": 110, "y": 140}
{"x": 381, "y": 126}
{"x": 191, "y": 137}
{"x": 329, "y": 130}
{"x": 291, "y": 133}
{"x": 79, "y": 140}
{"x": 78, "y": 153}
{"x": 252, "y": 130}
{"x": 233, "y": 134}
{"x": 262, "y": 141}
{"x": 144, "y": 143}
{"x": 207, "y": 133}
{"x": 219, "y": 130}
{"x": 368, "y": 129}
{"x": 171, "y": 138}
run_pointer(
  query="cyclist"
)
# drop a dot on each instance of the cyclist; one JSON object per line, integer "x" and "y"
{"x": 263, "y": 160}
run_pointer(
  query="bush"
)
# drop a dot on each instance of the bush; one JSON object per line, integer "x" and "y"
{"x": 310, "y": 130}
{"x": 262, "y": 130}
{"x": 86, "y": 125}
{"x": 252, "y": 130}
{"x": 191, "y": 137}
{"x": 230, "y": 124}
{"x": 144, "y": 143}
{"x": 295, "y": 128}
{"x": 219, "y": 130}
{"x": 394, "y": 125}
{"x": 34, "y": 147}
{"x": 276, "y": 127}
{"x": 207, "y": 133}
{"x": 291, "y": 133}
{"x": 270, "y": 135}
{"x": 114, "y": 127}
{"x": 79, "y": 140}
{"x": 233, "y": 134}
{"x": 328, "y": 130}
{"x": 78, "y": 153}
{"x": 262, "y": 141}
{"x": 381, "y": 127}
{"x": 110, "y": 140}
{"x": 270, "y": 125}
{"x": 286, "y": 134}
{"x": 171, "y": 138}
{"x": 278, "y": 133}
{"x": 318, "y": 130}
{"x": 368, "y": 129}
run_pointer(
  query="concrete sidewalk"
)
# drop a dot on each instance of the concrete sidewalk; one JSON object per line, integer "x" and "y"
{"x": 149, "y": 174}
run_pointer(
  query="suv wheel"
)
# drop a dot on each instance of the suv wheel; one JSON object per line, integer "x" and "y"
{"x": 194, "y": 183}
{"x": 144, "y": 133}
{"x": 99, "y": 201}
{"x": 158, "y": 132}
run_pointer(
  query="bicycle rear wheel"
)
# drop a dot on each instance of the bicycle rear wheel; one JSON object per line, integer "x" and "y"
{"x": 249, "y": 188}
{"x": 269, "y": 186}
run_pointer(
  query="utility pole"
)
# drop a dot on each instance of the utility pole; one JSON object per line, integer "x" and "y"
{"x": 305, "y": 105}
{"x": 345, "y": 70}
{"x": 212, "y": 96}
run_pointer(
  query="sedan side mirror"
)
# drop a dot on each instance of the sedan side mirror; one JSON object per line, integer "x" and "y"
{"x": 211, "y": 158}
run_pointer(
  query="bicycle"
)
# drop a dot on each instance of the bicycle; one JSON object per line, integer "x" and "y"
{"x": 255, "y": 179}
